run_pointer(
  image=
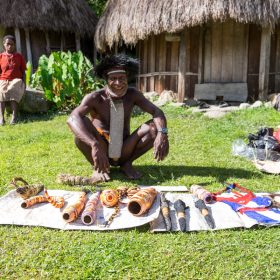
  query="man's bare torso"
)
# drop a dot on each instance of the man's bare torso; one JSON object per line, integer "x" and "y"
{"x": 100, "y": 112}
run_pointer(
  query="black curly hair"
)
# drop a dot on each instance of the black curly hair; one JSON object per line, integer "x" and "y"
{"x": 10, "y": 37}
{"x": 129, "y": 64}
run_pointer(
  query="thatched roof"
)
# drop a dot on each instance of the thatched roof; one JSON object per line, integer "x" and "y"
{"x": 57, "y": 15}
{"x": 133, "y": 20}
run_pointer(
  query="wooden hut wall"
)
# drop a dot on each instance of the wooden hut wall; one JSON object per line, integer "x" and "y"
{"x": 38, "y": 46}
{"x": 253, "y": 61}
{"x": 69, "y": 42}
{"x": 274, "y": 69}
{"x": 23, "y": 44}
{"x": 159, "y": 58}
{"x": 254, "y": 54}
{"x": 277, "y": 61}
{"x": 225, "y": 55}
{"x": 213, "y": 53}
{"x": 227, "y": 52}
{"x": 55, "y": 40}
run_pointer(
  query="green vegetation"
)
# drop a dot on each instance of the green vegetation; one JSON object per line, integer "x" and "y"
{"x": 41, "y": 147}
{"x": 28, "y": 73}
{"x": 97, "y": 5}
{"x": 65, "y": 78}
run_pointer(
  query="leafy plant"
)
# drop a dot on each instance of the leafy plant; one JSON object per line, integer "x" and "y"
{"x": 28, "y": 73}
{"x": 65, "y": 78}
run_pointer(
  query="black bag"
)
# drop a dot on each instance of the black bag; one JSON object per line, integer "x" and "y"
{"x": 264, "y": 140}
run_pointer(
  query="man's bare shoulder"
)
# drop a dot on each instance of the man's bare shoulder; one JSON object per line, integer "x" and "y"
{"x": 93, "y": 97}
{"x": 133, "y": 90}
{"x": 134, "y": 93}
{"x": 96, "y": 94}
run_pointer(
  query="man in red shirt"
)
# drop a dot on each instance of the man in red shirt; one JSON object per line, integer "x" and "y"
{"x": 12, "y": 70}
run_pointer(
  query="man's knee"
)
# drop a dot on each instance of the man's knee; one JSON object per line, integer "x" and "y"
{"x": 148, "y": 129}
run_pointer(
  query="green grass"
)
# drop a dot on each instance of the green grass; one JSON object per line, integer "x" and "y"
{"x": 41, "y": 147}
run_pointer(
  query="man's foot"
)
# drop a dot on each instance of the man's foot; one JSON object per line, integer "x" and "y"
{"x": 100, "y": 177}
{"x": 130, "y": 172}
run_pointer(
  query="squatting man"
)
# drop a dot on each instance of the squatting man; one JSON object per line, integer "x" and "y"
{"x": 105, "y": 138}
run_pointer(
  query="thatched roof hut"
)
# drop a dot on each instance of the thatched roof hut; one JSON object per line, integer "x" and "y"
{"x": 55, "y": 15}
{"x": 46, "y": 25}
{"x": 146, "y": 23}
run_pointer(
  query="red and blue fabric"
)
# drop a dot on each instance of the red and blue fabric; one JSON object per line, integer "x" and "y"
{"x": 246, "y": 202}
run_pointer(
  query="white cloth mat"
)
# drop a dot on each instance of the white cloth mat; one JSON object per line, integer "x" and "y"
{"x": 46, "y": 215}
{"x": 222, "y": 213}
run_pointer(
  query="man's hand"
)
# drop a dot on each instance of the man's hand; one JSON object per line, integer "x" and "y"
{"x": 161, "y": 146}
{"x": 100, "y": 160}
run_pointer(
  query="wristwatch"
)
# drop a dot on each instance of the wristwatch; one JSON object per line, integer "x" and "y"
{"x": 163, "y": 130}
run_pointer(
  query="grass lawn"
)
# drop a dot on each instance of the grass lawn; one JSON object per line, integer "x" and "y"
{"x": 40, "y": 148}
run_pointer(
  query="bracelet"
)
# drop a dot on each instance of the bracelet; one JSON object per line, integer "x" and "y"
{"x": 163, "y": 130}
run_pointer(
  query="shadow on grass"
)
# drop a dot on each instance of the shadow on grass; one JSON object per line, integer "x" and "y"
{"x": 152, "y": 174}
{"x": 25, "y": 117}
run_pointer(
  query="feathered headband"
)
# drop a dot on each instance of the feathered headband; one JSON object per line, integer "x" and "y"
{"x": 118, "y": 61}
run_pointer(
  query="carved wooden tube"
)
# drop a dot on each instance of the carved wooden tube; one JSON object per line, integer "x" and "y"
{"x": 109, "y": 197}
{"x": 142, "y": 201}
{"x": 33, "y": 200}
{"x": 89, "y": 214}
{"x": 73, "y": 211}
{"x": 201, "y": 193}
{"x": 56, "y": 201}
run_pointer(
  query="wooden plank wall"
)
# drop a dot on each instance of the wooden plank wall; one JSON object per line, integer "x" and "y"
{"x": 272, "y": 64}
{"x": 264, "y": 63}
{"x": 193, "y": 68}
{"x": 38, "y": 46}
{"x": 159, "y": 59}
{"x": 184, "y": 36}
{"x": 225, "y": 52}
{"x": 253, "y": 61}
{"x": 274, "y": 70}
{"x": 174, "y": 60}
{"x": 277, "y": 59}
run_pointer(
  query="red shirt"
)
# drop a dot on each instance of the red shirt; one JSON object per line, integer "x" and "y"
{"x": 12, "y": 66}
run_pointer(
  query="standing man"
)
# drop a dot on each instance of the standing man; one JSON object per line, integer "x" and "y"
{"x": 12, "y": 70}
{"x": 105, "y": 138}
